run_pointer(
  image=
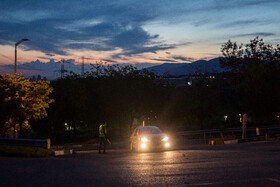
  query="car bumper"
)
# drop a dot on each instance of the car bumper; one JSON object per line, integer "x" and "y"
{"x": 152, "y": 147}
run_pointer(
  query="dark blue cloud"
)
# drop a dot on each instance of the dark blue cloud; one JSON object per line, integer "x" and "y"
{"x": 182, "y": 58}
{"x": 234, "y": 4}
{"x": 119, "y": 27}
{"x": 45, "y": 58}
{"x": 109, "y": 60}
{"x": 48, "y": 37}
{"x": 242, "y": 23}
{"x": 164, "y": 60}
{"x": 57, "y": 25}
{"x": 261, "y": 34}
{"x": 43, "y": 34}
{"x": 135, "y": 37}
{"x": 143, "y": 49}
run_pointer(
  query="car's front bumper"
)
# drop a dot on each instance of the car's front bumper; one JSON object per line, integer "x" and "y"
{"x": 154, "y": 146}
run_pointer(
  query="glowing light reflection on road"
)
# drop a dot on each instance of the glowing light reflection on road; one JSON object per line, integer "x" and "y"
{"x": 149, "y": 164}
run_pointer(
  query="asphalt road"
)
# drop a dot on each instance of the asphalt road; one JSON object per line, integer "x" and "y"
{"x": 248, "y": 164}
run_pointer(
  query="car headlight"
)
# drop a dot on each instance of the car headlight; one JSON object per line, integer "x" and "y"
{"x": 165, "y": 139}
{"x": 144, "y": 140}
{"x": 143, "y": 146}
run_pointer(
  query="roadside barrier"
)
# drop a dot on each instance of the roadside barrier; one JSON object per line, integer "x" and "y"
{"x": 208, "y": 136}
{"x": 45, "y": 143}
{"x": 63, "y": 152}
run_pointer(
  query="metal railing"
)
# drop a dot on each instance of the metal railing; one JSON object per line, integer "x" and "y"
{"x": 205, "y": 136}
{"x": 45, "y": 143}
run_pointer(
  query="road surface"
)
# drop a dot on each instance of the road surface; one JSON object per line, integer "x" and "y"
{"x": 248, "y": 164}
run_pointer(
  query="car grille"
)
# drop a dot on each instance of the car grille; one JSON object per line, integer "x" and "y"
{"x": 156, "y": 141}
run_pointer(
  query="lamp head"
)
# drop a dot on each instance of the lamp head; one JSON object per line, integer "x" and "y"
{"x": 22, "y": 40}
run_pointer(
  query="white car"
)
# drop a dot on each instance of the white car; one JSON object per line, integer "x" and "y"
{"x": 148, "y": 138}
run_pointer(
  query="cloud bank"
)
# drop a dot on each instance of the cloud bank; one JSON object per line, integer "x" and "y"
{"x": 120, "y": 28}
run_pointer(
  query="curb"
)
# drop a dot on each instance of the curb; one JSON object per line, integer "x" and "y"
{"x": 63, "y": 152}
{"x": 231, "y": 141}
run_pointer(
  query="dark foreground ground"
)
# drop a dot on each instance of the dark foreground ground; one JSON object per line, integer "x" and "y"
{"x": 248, "y": 164}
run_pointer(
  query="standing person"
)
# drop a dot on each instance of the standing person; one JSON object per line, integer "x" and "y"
{"x": 102, "y": 137}
{"x": 244, "y": 125}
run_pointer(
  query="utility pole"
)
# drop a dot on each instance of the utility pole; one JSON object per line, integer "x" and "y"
{"x": 15, "y": 60}
{"x": 83, "y": 66}
{"x": 16, "y": 52}
{"x": 62, "y": 68}
{"x": 244, "y": 125}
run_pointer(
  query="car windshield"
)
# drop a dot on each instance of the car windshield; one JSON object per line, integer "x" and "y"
{"x": 150, "y": 130}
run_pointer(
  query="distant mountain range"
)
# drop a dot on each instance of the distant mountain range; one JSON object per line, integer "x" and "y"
{"x": 52, "y": 70}
{"x": 200, "y": 66}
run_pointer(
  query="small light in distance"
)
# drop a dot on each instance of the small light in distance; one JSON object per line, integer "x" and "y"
{"x": 144, "y": 139}
{"x": 165, "y": 139}
{"x": 143, "y": 146}
{"x": 225, "y": 117}
{"x": 167, "y": 144}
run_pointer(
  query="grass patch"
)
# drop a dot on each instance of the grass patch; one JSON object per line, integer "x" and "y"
{"x": 273, "y": 138}
{"x": 24, "y": 151}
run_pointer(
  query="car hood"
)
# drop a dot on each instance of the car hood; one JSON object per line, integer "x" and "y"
{"x": 154, "y": 136}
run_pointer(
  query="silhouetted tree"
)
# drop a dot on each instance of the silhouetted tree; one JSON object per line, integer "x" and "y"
{"x": 255, "y": 70}
{"x": 116, "y": 94}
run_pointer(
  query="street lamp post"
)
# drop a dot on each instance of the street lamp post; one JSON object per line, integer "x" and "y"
{"x": 16, "y": 52}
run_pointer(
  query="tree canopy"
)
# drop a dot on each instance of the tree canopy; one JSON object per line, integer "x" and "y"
{"x": 255, "y": 70}
{"x": 120, "y": 95}
{"x": 22, "y": 100}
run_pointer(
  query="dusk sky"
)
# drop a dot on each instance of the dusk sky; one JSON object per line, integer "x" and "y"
{"x": 132, "y": 31}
